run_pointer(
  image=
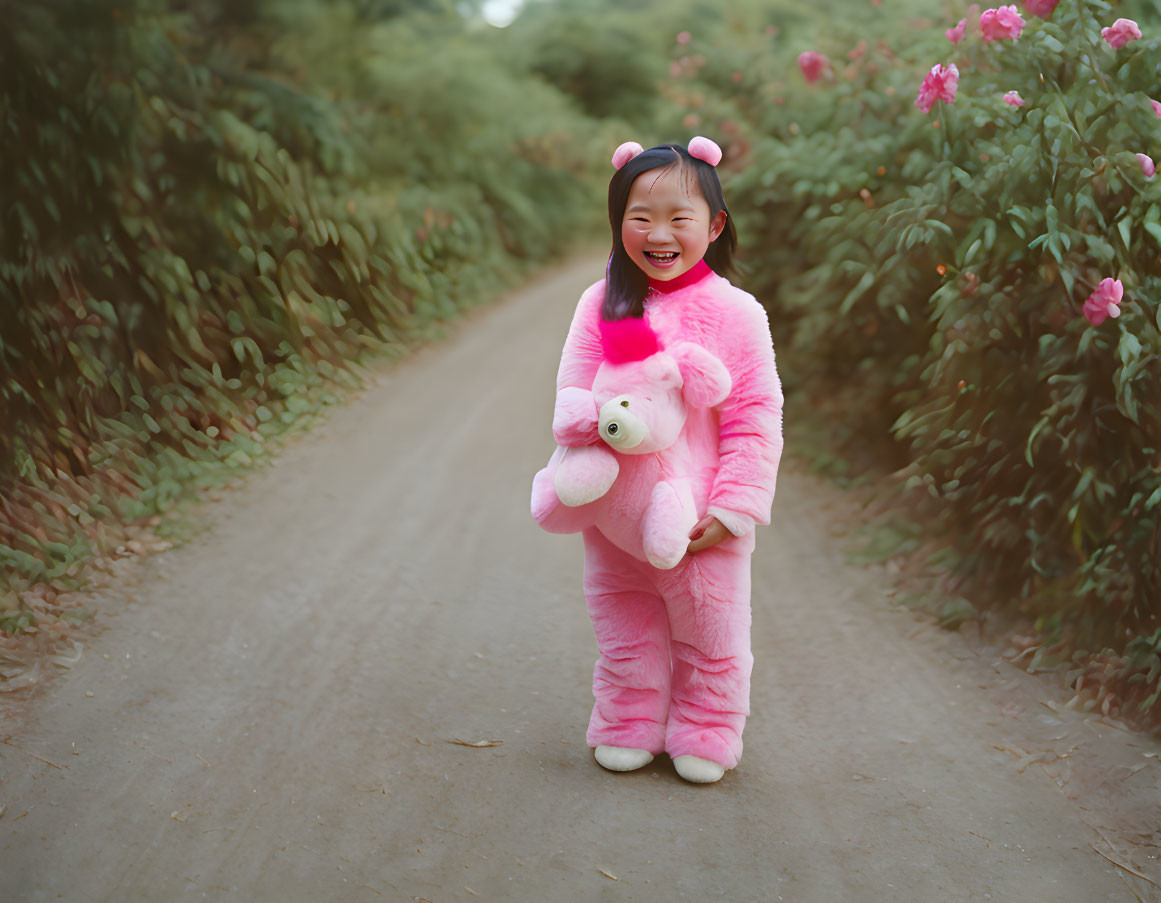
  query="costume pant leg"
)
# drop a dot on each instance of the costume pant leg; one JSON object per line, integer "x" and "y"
{"x": 631, "y": 678}
{"x": 708, "y": 601}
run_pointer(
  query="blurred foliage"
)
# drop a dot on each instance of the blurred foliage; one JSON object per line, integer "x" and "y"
{"x": 600, "y": 57}
{"x": 215, "y": 212}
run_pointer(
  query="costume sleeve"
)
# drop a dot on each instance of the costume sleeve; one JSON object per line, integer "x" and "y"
{"x": 574, "y": 420}
{"x": 750, "y": 425}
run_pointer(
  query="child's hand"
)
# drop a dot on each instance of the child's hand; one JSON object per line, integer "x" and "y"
{"x": 708, "y": 531}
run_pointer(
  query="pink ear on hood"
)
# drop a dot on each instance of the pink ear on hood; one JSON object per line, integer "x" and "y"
{"x": 705, "y": 381}
{"x": 626, "y": 152}
{"x": 630, "y": 339}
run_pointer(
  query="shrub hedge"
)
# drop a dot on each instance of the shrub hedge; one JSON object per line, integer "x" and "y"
{"x": 930, "y": 274}
{"x": 212, "y": 212}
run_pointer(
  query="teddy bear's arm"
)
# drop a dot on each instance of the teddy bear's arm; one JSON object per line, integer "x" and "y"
{"x": 576, "y": 418}
{"x": 750, "y": 423}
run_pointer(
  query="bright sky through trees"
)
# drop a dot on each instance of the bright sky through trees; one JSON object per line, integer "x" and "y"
{"x": 501, "y": 13}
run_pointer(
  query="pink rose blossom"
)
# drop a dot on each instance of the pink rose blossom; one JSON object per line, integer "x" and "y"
{"x": 684, "y": 37}
{"x": 812, "y": 64}
{"x": 1041, "y": 8}
{"x": 1013, "y": 99}
{"x": 1103, "y": 302}
{"x": 955, "y": 35}
{"x": 1156, "y": 107}
{"x": 1120, "y": 33}
{"x": 1001, "y": 23}
{"x": 1147, "y": 165}
{"x": 939, "y": 84}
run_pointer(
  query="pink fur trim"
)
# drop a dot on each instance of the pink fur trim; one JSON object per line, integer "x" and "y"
{"x": 627, "y": 340}
{"x": 704, "y": 149}
{"x": 626, "y": 152}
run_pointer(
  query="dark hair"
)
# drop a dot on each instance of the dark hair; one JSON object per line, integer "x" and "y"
{"x": 626, "y": 284}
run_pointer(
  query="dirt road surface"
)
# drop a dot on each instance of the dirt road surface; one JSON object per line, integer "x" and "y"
{"x": 267, "y": 714}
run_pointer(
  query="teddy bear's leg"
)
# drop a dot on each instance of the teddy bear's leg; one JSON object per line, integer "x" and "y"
{"x": 631, "y": 678}
{"x": 708, "y": 601}
{"x": 668, "y": 519}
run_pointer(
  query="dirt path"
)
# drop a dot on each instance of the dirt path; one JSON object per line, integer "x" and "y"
{"x": 266, "y": 716}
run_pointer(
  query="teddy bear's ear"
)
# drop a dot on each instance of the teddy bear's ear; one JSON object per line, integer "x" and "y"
{"x": 705, "y": 380}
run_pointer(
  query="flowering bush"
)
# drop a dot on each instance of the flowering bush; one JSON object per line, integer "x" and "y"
{"x": 998, "y": 24}
{"x": 939, "y": 84}
{"x": 1104, "y": 301}
{"x": 980, "y": 280}
{"x": 1041, "y": 8}
{"x": 812, "y": 65}
{"x": 1121, "y": 32}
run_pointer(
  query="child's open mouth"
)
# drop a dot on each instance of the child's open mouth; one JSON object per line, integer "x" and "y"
{"x": 662, "y": 258}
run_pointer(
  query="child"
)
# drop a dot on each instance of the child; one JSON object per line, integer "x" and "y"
{"x": 674, "y": 669}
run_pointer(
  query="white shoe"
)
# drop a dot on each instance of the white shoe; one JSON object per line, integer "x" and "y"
{"x": 622, "y": 758}
{"x": 699, "y": 771}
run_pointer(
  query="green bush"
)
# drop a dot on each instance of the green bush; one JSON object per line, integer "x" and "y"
{"x": 929, "y": 270}
{"x": 209, "y": 215}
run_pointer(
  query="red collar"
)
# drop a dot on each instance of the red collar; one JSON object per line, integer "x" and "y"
{"x": 695, "y": 274}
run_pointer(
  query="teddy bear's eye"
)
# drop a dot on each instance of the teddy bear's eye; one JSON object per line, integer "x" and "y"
{"x": 624, "y": 404}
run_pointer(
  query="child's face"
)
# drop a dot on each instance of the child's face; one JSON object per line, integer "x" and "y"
{"x": 667, "y": 225}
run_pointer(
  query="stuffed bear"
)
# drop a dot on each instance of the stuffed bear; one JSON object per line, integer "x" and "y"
{"x": 635, "y": 487}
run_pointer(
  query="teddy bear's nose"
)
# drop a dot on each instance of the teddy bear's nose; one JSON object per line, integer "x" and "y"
{"x": 611, "y": 429}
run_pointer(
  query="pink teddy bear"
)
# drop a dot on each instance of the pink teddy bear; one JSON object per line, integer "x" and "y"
{"x": 635, "y": 488}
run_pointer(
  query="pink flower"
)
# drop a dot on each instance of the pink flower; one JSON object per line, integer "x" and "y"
{"x": 1103, "y": 302}
{"x": 1041, "y": 8}
{"x": 939, "y": 84}
{"x": 955, "y": 35}
{"x": 1001, "y": 23}
{"x": 1013, "y": 99}
{"x": 812, "y": 64}
{"x": 1147, "y": 165}
{"x": 1120, "y": 33}
{"x": 1156, "y": 107}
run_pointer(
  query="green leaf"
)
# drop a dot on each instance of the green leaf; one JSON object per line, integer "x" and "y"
{"x": 1154, "y": 229}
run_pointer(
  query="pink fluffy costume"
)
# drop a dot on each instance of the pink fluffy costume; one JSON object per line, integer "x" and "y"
{"x": 675, "y": 661}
